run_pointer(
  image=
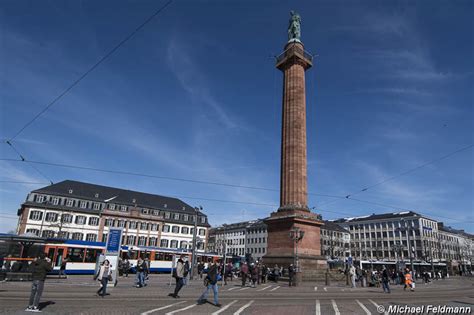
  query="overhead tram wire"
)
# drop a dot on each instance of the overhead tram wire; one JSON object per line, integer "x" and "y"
{"x": 152, "y": 176}
{"x": 28, "y": 162}
{"x": 92, "y": 68}
{"x": 411, "y": 170}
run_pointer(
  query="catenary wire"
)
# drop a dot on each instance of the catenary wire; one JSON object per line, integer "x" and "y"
{"x": 92, "y": 68}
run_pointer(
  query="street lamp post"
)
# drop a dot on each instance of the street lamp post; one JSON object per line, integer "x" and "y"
{"x": 193, "y": 263}
{"x": 296, "y": 234}
{"x": 408, "y": 229}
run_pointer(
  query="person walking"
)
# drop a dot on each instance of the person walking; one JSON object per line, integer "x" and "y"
{"x": 253, "y": 274}
{"x": 104, "y": 275}
{"x": 126, "y": 267}
{"x": 244, "y": 270}
{"x": 62, "y": 269}
{"x": 276, "y": 273}
{"x": 178, "y": 274}
{"x": 385, "y": 280}
{"x": 408, "y": 281}
{"x": 352, "y": 274}
{"x": 187, "y": 268}
{"x": 212, "y": 277}
{"x": 228, "y": 272}
{"x": 264, "y": 273}
{"x": 291, "y": 275}
{"x": 141, "y": 270}
{"x": 40, "y": 268}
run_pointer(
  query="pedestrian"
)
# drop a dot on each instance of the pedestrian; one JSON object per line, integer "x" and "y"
{"x": 62, "y": 269}
{"x": 147, "y": 269}
{"x": 212, "y": 277}
{"x": 104, "y": 275}
{"x": 40, "y": 268}
{"x": 186, "y": 271}
{"x": 141, "y": 270}
{"x": 264, "y": 273}
{"x": 276, "y": 273}
{"x": 228, "y": 272}
{"x": 178, "y": 274}
{"x": 200, "y": 267}
{"x": 253, "y": 274}
{"x": 259, "y": 273}
{"x": 385, "y": 280}
{"x": 291, "y": 275}
{"x": 409, "y": 281}
{"x": 352, "y": 274}
{"x": 126, "y": 267}
{"x": 243, "y": 273}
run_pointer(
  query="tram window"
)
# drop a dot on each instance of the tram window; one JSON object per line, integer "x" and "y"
{"x": 92, "y": 254}
{"x": 144, "y": 255}
{"x": 75, "y": 254}
{"x": 133, "y": 254}
{"x": 163, "y": 256}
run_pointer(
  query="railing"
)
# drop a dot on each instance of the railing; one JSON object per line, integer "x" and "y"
{"x": 294, "y": 49}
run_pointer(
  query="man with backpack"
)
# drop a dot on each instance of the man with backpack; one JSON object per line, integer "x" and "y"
{"x": 212, "y": 278}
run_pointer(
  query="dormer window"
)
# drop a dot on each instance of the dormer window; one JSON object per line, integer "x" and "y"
{"x": 70, "y": 191}
{"x": 184, "y": 208}
{"x": 165, "y": 205}
{"x": 97, "y": 195}
{"x": 40, "y": 198}
{"x": 176, "y": 216}
{"x": 83, "y": 204}
{"x": 134, "y": 200}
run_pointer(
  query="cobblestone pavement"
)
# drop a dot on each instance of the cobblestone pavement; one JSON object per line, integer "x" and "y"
{"x": 76, "y": 295}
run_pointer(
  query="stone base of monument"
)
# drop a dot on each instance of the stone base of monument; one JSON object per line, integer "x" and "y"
{"x": 282, "y": 249}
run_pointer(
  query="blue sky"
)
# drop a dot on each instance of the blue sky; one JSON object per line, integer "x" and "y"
{"x": 195, "y": 95}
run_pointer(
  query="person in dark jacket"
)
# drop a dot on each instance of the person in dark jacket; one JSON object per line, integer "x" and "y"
{"x": 291, "y": 275}
{"x": 385, "y": 280}
{"x": 212, "y": 284}
{"x": 142, "y": 269}
{"x": 40, "y": 268}
{"x": 244, "y": 270}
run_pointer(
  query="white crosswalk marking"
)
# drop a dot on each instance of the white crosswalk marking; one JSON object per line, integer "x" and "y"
{"x": 334, "y": 306}
{"x": 377, "y": 306}
{"x": 364, "y": 308}
{"x": 263, "y": 289}
{"x": 275, "y": 288}
{"x": 244, "y": 288}
{"x": 243, "y": 307}
{"x": 181, "y": 309}
{"x": 225, "y": 307}
{"x": 315, "y": 288}
{"x": 162, "y": 308}
{"x": 318, "y": 308}
{"x": 230, "y": 289}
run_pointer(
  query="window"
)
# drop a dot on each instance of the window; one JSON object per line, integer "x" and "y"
{"x": 145, "y": 211}
{"x": 33, "y": 231}
{"x": 167, "y": 215}
{"x": 121, "y": 223}
{"x": 94, "y": 221}
{"x": 66, "y": 218}
{"x": 55, "y": 201}
{"x": 156, "y": 212}
{"x": 186, "y": 217}
{"x": 154, "y": 227}
{"x": 143, "y": 226}
{"x": 111, "y": 206}
{"x": 165, "y": 229}
{"x": 109, "y": 222}
{"x": 142, "y": 241}
{"x": 36, "y": 215}
{"x": 183, "y": 244}
{"x": 174, "y": 244}
{"x": 83, "y": 204}
{"x": 92, "y": 254}
{"x": 176, "y": 216}
{"x": 77, "y": 236}
{"x": 164, "y": 243}
{"x": 69, "y": 203}
{"x": 63, "y": 234}
{"x": 75, "y": 254}
{"x": 202, "y": 232}
{"x": 163, "y": 256}
{"x": 203, "y": 219}
{"x": 184, "y": 230}
{"x": 40, "y": 198}
{"x": 175, "y": 229}
{"x": 51, "y": 217}
{"x": 80, "y": 219}
{"x": 123, "y": 208}
{"x": 96, "y": 206}
{"x": 104, "y": 237}
{"x": 131, "y": 240}
{"x": 91, "y": 237}
{"x": 152, "y": 241}
{"x": 132, "y": 225}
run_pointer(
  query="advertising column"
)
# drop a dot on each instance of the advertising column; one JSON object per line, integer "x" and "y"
{"x": 112, "y": 251}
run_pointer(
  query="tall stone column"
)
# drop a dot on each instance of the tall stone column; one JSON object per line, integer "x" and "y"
{"x": 293, "y": 213}
{"x": 294, "y": 188}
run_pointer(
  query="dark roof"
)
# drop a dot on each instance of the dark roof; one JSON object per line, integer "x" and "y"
{"x": 449, "y": 229}
{"x": 120, "y": 196}
{"x": 382, "y": 216}
{"x": 328, "y": 225}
